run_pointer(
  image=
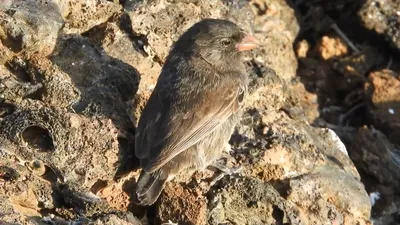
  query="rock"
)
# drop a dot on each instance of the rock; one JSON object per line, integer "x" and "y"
{"x": 177, "y": 203}
{"x": 5, "y": 54}
{"x": 58, "y": 88}
{"x": 279, "y": 12}
{"x": 18, "y": 219}
{"x": 24, "y": 190}
{"x": 327, "y": 194}
{"x": 80, "y": 16}
{"x": 382, "y": 17}
{"x": 302, "y": 49}
{"x": 307, "y": 100}
{"x": 52, "y": 135}
{"x": 68, "y": 122}
{"x": 29, "y": 26}
{"x": 13, "y": 90}
{"x": 116, "y": 217}
{"x": 378, "y": 159}
{"x": 359, "y": 64}
{"x": 250, "y": 201}
{"x": 276, "y": 27}
{"x": 44, "y": 81}
{"x": 82, "y": 201}
{"x": 121, "y": 218}
{"x": 331, "y": 47}
{"x": 372, "y": 152}
{"x": 118, "y": 194}
{"x": 383, "y": 98}
{"x": 116, "y": 42}
{"x": 107, "y": 85}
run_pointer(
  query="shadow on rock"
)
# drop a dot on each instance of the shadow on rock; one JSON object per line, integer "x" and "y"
{"x": 107, "y": 86}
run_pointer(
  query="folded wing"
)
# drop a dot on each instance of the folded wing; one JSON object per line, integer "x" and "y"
{"x": 171, "y": 125}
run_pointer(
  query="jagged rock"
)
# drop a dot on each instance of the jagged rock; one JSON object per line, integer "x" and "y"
{"x": 30, "y": 26}
{"x": 177, "y": 203}
{"x": 77, "y": 148}
{"x": 326, "y": 196}
{"x": 383, "y": 98}
{"x": 65, "y": 120}
{"x": 247, "y": 200}
{"x": 18, "y": 219}
{"x": 383, "y": 17}
{"x": 276, "y": 28}
{"x": 379, "y": 160}
{"x": 117, "y": 39}
{"x": 106, "y": 84}
{"x": 372, "y": 152}
{"x": 117, "y": 219}
{"x": 82, "y": 15}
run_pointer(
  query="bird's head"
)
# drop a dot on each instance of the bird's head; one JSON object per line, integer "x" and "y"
{"x": 219, "y": 42}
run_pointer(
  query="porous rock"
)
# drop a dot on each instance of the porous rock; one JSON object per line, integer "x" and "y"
{"x": 82, "y": 15}
{"x": 64, "y": 141}
{"x": 107, "y": 85}
{"x": 383, "y": 98}
{"x": 71, "y": 134}
{"x": 382, "y": 16}
{"x": 246, "y": 200}
{"x": 30, "y": 26}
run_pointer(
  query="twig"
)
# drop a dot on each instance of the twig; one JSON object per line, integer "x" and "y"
{"x": 345, "y": 115}
{"x": 345, "y": 38}
{"x": 389, "y": 63}
{"x": 323, "y": 123}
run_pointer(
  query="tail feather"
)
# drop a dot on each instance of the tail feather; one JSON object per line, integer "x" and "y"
{"x": 149, "y": 187}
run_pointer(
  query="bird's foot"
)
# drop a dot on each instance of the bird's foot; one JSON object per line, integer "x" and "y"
{"x": 224, "y": 171}
{"x": 228, "y": 149}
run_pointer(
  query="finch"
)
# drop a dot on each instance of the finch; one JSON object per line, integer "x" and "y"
{"x": 194, "y": 107}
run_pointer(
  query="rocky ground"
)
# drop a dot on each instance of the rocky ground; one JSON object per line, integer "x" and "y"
{"x": 318, "y": 144}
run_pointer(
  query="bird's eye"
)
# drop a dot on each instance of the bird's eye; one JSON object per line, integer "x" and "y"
{"x": 226, "y": 42}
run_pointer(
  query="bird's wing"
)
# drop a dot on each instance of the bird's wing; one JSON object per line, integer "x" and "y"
{"x": 168, "y": 128}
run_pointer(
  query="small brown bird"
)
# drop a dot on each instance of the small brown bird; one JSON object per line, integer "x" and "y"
{"x": 194, "y": 107}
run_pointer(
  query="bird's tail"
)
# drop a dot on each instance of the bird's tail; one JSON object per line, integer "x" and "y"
{"x": 149, "y": 187}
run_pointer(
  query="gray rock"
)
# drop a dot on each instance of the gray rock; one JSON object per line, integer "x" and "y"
{"x": 30, "y": 26}
{"x": 382, "y": 17}
{"x": 82, "y": 15}
{"x": 248, "y": 201}
{"x": 76, "y": 148}
{"x": 107, "y": 85}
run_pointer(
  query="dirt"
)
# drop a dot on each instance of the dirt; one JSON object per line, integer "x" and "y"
{"x": 318, "y": 138}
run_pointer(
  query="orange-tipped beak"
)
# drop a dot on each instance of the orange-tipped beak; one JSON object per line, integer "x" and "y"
{"x": 248, "y": 43}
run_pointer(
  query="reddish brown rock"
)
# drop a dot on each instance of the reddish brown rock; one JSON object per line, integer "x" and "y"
{"x": 383, "y": 96}
{"x": 182, "y": 205}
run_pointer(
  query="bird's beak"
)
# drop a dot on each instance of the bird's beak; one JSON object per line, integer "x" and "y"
{"x": 249, "y": 42}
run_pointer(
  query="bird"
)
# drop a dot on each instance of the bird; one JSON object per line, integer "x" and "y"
{"x": 194, "y": 107}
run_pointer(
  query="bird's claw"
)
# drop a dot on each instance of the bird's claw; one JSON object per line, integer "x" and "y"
{"x": 228, "y": 149}
{"x": 224, "y": 171}
{"x": 235, "y": 170}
